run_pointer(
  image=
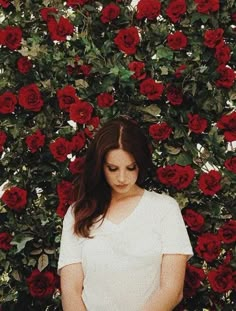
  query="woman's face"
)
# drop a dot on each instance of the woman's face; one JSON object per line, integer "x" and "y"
{"x": 121, "y": 171}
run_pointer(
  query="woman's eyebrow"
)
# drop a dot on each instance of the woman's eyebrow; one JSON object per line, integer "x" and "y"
{"x": 133, "y": 163}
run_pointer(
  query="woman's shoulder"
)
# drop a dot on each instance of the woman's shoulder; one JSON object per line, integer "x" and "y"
{"x": 160, "y": 202}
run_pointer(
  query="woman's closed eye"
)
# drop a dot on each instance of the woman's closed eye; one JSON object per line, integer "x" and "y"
{"x": 129, "y": 168}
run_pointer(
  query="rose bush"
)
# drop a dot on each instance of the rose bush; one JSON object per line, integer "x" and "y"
{"x": 68, "y": 67}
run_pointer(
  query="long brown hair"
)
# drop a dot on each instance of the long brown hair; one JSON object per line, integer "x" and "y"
{"x": 94, "y": 194}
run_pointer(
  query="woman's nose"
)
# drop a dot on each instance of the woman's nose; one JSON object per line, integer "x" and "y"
{"x": 121, "y": 176}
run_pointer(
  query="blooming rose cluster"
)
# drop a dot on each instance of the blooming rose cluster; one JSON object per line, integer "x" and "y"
{"x": 42, "y": 284}
{"x": 176, "y": 175}
{"x": 59, "y": 28}
{"x": 209, "y": 182}
{"x": 5, "y": 240}
{"x": 79, "y": 111}
{"x": 75, "y": 3}
{"x": 65, "y": 193}
{"x": 230, "y": 164}
{"x": 8, "y": 102}
{"x": 193, "y": 278}
{"x": 5, "y": 3}
{"x": 15, "y": 198}
{"x": 11, "y": 37}
{"x": 109, "y": 13}
{"x": 127, "y": 40}
{"x": 30, "y": 97}
{"x": 213, "y": 38}
{"x": 24, "y": 64}
{"x": 160, "y": 131}
{"x": 175, "y": 10}
{"x": 3, "y": 138}
{"x": 148, "y": 9}
{"x": 151, "y": 89}
{"x": 227, "y": 123}
{"x": 174, "y": 95}
{"x": 35, "y": 141}
{"x": 207, "y": 6}
{"x": 196, "y": 123}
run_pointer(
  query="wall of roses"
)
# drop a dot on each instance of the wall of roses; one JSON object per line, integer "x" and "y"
{"x": 66, "y": 68}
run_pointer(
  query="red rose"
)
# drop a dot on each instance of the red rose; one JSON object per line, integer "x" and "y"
{"x": 174, "y": 95}
{"x": 4, "y": 3}
{"x": 24, "y": 64}
{"x": 110, "y": 12}
{"x": 105, "y": 100}
{"x": 66, "y": 97}
{"x": 160, "y": 131}
{"x": 47, "y": 13}
{"x": 196, "y": 124}
{"x": 35, "y": 141}
{"x": 69, "y": 70}
{"x": 138, "y": 69}
{"x": 222, "y": 53}
{"x": 93, "y": 123}
{"x": 5, "y": 240}
{"x": 41, "y": 284}
{"x": 15, "y": 198}
{"x": 78, "y": 141}
{"x": 213, "y": 37}
{"x": 152, "y": 89}
{"x": 60, "y": 148}
{"x": 2, "y": 36}
{"x": 208, "y": 246}
{"x": 30, "y": 98}
{"x": 227, "y": 232}
{"x": 228, "y": 124}
{"x": 221, "y": 279}
{"x": 65, "y": 191}
{"x": 61, "y": 29}
{"x": 3, "y": 138}
{"x": 127, "y": 40}
{"x": 62, "y": 208}
{"x": 75, "y": 3}
{"x": 194, "y": 220}
{"x": 81, "y": 112}
{"x": 194, "y": 276}
{"x": 207, "y": 6}
{"x": 179, "y": 71}
{"x": 12, "y": 37}
{"x": 177, "y": 40}
{"x": 176, "y": 175}
{"x": 175, "y": 9}
{"x": 8, "y": 102}
{"x": 148, "y": 9}
{"x": 209, "y": 182}
{"x": 76, "y": 166}
{"x": 230, "y": 164}
{"x": 227, "y": 76}
{"x": 85, "y": 70}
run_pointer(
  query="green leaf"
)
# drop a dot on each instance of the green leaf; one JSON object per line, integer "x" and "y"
{"x": 21, "y": 242}
{"x": 43, "y": 262}
{"x": 164, "y": 52}
{"x": 184, "y": 159}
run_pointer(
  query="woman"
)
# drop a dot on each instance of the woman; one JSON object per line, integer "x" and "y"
{"x": 123, "y": 248}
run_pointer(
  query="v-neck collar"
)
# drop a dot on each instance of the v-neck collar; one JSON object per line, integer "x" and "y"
{"x": 117, "y": 225}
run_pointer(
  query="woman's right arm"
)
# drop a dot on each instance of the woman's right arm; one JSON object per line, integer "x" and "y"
{"x": 72, "y": 277}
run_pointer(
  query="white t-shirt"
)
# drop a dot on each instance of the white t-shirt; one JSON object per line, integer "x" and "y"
{"x": 122, "y": 263}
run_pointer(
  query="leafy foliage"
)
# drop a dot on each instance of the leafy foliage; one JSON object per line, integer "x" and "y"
{"x": 67, "y": 67}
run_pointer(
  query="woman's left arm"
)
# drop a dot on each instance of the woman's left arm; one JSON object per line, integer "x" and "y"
{"x": 170, "y": 292}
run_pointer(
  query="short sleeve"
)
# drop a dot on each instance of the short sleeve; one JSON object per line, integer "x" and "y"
{"x": 175, "y": 239}
{"x": 71, "y": 244}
